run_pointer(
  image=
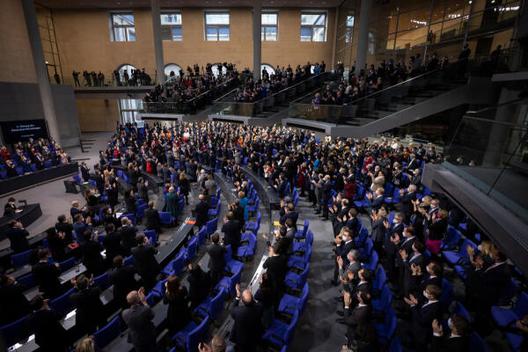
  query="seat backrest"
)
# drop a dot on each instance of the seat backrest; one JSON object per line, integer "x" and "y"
{"x": 306, "y": 226}
{"x": 20, "y": 259}
{"x": 291, "y": 326}
{"x": 521, "y": 306}
{"x": 107, "y": 333}
{"x": 309, "y": 237}
{"x": 27, "y": 281}
{"x": 102, "y": 281}
{"x": 15, "y": 331}
{"x": 391, "y": 322}
{"x": 152, "y": 298}
{"x": 476, "y": 343}
{"x": 459, "y": 309}
{"x": 191, "y": 247}
{"x": 195, "y": 335}
{"x": 304, "y": 296}
{"x": 63, "y": 304}
{"x": 446, "y": 297}
{"x": 217, "y": 304}
{"x": 128, "y": 260}
{"x": 380, "y": 278}
{"x": 67, "y": 264}
{"x": 179, "y": 262}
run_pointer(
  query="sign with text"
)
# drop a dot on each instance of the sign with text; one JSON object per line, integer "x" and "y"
{"x": 20, "y": 131}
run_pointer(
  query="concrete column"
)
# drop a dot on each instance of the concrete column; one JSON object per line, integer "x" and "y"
{"x": 361, "y": 58}
{"x": 158, "y": 43}
{"x": 46, "y": 96}
{"x": 257, "y": 24}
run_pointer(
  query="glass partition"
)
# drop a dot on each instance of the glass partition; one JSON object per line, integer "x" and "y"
{"x": 490, "y": 150}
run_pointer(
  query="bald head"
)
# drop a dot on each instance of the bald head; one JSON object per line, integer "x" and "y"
{"x": 247, "y": 296}
{"x": 133, "y": 298}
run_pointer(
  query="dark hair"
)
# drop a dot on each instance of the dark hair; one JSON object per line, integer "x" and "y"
{"x": 434, "y": 291}
{"x": 461, "y": 324}
{"x": 419, "y": 246}
{"x": 118, "y": 261}
{"x": 61, "y": 218}
{"x": 215, "y": 238}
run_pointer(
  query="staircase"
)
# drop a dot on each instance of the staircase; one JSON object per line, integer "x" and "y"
{"x": 409, "y": 101}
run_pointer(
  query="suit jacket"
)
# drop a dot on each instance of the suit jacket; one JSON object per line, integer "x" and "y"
{"x": 276, "y": 268}
{"x": 50, "y": 335}
{"x": 92, "y": 258}
{"x": 423, "y": 316}
{"x": 124, "y": 281}
{"x": 450, "y": 344}
{"x": 343, "y": 249}
{"x": 128, "y": 237}
{"x": 496, "y": 280}
{"x": 152, "y": 219}
{"x": 18, "y": 239}
{"x": 89, "y": 309}
{"x": 291, "y": 215}
{"x": 112, "y": 244}
{"x": 47, "y": 277}
{"x": 145, "y": 261}
{"x": 247, "y": 329}
{"x": 201, "y": 212}
{"x": 13, "y": 303}
{"x": 231, "y": 230}
{"x": 406, "y": 203}
{"x": 216, "y": 257}
{"x": 141, "y": 331}
{"x": 359, "y": 323}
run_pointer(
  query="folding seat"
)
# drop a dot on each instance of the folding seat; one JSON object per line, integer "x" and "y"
{"x": 300, "y": 261}
{"x": 153, "y": 297}
{"x": 212, "y": 226}
{"x": 102, "y": 281}
{"x": 152, "y": 236}
{"x": 453, "y": 237}
{"x": 107, "y": 333}
{"x": 19, "y": 170}
{"x": 248, "y": 246}
{"x": 504, "y": 317}
{"x": 213, "y": 305}
{"x": 383, "y": 301}
{"x": 166, "y": 218}
{"x": 476, "y": 343}
{"x": 140, "y": 211}
{"x": 380, "y": 278}
{"x": 202, "y": 235}
{"x": 290, "y": 303}
{"x": 362, "y": 236}
{"x": 228, "y": 283}
{"x": 515, "y": 341}
{"x": 159, "y": 288}
{"x": 372, "y": 262}
{"x": 215, "y": 211}
{"x": 386, "y": 330}
{"x": 366, "y": 250}
{"x": 460, "y": 256}
{"x": 254, "y": 225}
{"x": 189, "y": 338}
{"x": 253, "y": 208}
{"x": 302, "y": 233}
{"x": 192, "y": 246}
{"x": 279, "y": 333}
{"x": 295, "y": 280}
{"x": 27, "y": 281}
{"x": 175, "y": 267}
{"x": 15, "y": 332}
{"x": 20, "y": 259}
{"x": 63, "y": 304}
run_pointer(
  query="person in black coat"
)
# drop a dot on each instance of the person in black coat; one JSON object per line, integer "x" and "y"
{"x": 201, "y": 211}
{"x": 247, "y": 328}
{"x": 360, "y": 331}
{"x": 276, "y": 267}
{"x": 13, "y": 303}
{"x": 50, "y": 335}
{"x": 47, "y": 275}
{"x": 90, "y": 311}
{"x": 152, "y": 218}
{"x": 56, "y": 244}
{"x": 123, "y": 279}
{"x": 91, "y": 254}
{"x": 231, "y": 230}
{"x": 145, "y": 261}
{"x": 344, "y": 244}
{"x": 64, "y": 228}
{"x": 112, "y": 244}
{"x": 199, "y": 284}
{"x": 458, "y": 339}
{"x": 178, "y": 312}
{"x": 265, "y": 296}
{"x": 10, "y": 207}
{"x": 216, "y": 259}
{"x": 112, "y": 190}
{"x": 130, "y": 202}
{"x": 17, "y": 236}
{"x": 128, "y": 235}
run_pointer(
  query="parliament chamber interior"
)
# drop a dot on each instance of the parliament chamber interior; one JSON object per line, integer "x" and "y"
{"x": 263, "y": 175}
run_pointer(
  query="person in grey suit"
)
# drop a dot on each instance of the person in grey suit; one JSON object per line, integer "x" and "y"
{"x": 141, "y": 331}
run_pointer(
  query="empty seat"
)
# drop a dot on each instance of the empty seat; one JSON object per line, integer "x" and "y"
{"x": 504, "y": 317}
{"x": 15, "y": 331}
{"x": 386, "y": 330}
{"x": 166, "y": 218}
{"x": 296, "y": 281}
{"x": 20, "y": 259}
{"x": 192, "y": 334}
{"x": 279, "y": 332}
{"x": 63, "y": 304}
{"x": 214, "y": 305}
{"x": 107, "y": 333}
{"x": 289, "y": 303}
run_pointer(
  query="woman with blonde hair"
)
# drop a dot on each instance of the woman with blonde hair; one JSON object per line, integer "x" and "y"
{"x": 86, "y": 345}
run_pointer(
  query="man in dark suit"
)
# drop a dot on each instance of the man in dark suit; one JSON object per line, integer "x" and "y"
{"x": 276, "y": 266}
{"x": 247, "y": 328}
{"x": 152, "y": 218}
{"x": 89, "y": 307}
{"x": 288, "y": 212}
{"x": 17, "y": 236}
{"x": 13, "y": 304}
{"x": 496, "y": 278}
{"x": 123, "y": 279}
{"x": 422, "y": 316}
{"x": 406, "y": 201}
{"x": 216, "y": 259}
{"x": 138, "y": 318}
{"x": 47, "y": 275}
{"x": 64, "y": 227}
{"x": 358, "y": 319}
{"x": 231, "y": 230}
{"x": 112, "y": 244}
{"x": 201, "y": 211}
{"x": 344, "y": 244}
{"x": 457, "y": 341}
{"x": 91, "y": 254}
{"x": 128, "y": 235}
{"x": 10, "y": 207}
{"x": 145, "y": 261}
{"x": 50, "y": 335}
